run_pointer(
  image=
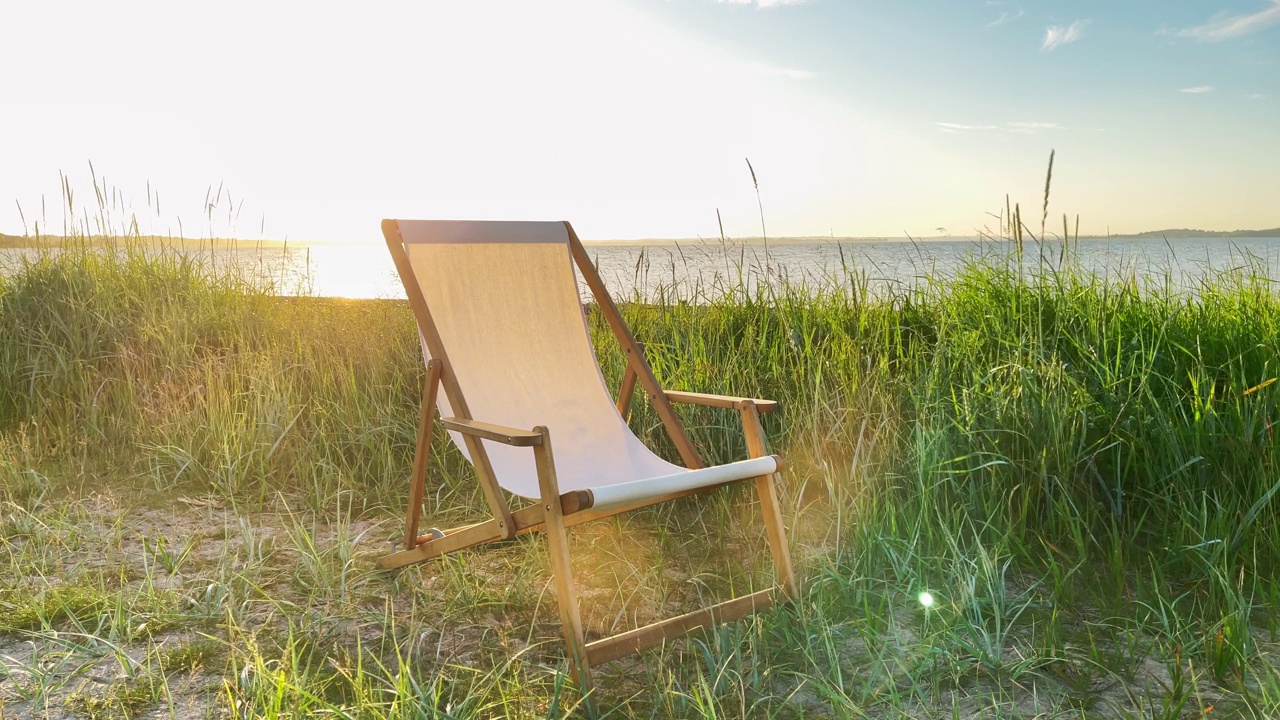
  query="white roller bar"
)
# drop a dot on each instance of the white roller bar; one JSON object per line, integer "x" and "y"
{"x": 628, "y": 492}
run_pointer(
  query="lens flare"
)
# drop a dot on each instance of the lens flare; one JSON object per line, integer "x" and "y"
{"x": 926, "y": 599}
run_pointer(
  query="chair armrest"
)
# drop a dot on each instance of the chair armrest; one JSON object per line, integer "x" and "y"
{"x": 489, "y": 431}
{"x": 720, "y": 401}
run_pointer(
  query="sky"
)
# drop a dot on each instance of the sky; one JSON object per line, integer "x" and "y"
{"x": 634, "y": 118}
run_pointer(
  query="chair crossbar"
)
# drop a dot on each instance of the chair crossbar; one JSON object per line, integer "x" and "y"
{"x": 632, "y": 642}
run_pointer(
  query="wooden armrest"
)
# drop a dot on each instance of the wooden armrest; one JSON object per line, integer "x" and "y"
{"x": 489, "y": 431}
{"x": 720, "y": 401}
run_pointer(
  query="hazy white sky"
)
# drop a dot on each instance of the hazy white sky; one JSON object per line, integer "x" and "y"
{"x": 631, "y": 118}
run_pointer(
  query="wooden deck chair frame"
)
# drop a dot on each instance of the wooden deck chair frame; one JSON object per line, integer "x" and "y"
{"x": 556, "y": 512}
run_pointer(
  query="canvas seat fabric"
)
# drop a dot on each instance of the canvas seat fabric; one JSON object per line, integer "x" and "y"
{"x": 504, "y": 298}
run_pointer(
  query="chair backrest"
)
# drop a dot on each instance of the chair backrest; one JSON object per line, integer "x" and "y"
{"x": 504, "y": 300}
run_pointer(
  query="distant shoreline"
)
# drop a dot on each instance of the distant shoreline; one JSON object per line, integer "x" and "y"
{"x": 53, "y": 241}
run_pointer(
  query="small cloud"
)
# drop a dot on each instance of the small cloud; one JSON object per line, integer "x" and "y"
{"x": 1225, "y": 26}
{"x": 1018, "y": 128}
{"x": 783, "y": 72}
{"x": 1198, "y": 89}
{"x": 1058, "y": 35}
{"x": 1031, "y": 127}
{"x": 763, "y": 3}
{"x": 1005, "y": 18}
{"x": 957, "y": 127}
{"x": 1257, "y": 96}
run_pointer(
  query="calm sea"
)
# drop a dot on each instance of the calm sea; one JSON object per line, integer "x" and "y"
{"x": 704, "y": 268}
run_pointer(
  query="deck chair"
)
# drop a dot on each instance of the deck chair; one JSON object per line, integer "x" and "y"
{"x": 505, "y": 337}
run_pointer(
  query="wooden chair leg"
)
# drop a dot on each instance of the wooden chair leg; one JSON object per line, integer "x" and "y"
{"x": 456, "y": 539}
{"x": 562, "y": 572}
{"x": 417, "y": 483}
{"x": 769, "y": 506}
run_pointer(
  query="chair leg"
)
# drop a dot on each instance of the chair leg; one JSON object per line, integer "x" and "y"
{"x": 417, "y": 483}
{"x": 777, "y": 536}
{"x": 769, "y": 506}
{"x": 456, "y": 539}
{"x": 561, "y": 570}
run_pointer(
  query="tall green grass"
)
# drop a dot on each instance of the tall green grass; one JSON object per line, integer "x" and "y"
{"x": 1081, "y": 470}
